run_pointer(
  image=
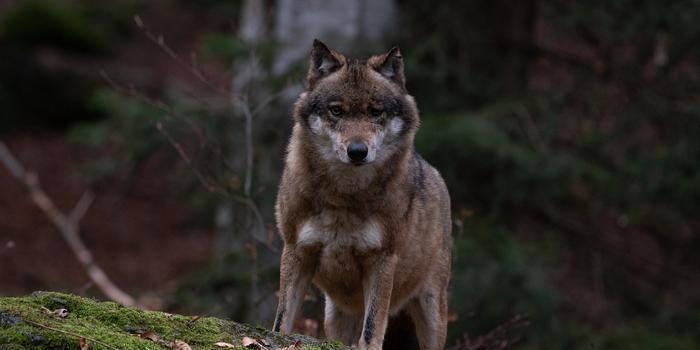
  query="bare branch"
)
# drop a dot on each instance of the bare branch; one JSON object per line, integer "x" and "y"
{"x": 11, "y": 163}
{"x": 81, "y": 207}
{"x": 496, "y": 339}
{"x": 66, "y": 226}
{"x": 160, "y": 41}
{"x": 170, "y": 114}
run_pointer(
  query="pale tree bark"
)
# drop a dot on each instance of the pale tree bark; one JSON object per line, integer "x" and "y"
{"x": 350, "y": 26}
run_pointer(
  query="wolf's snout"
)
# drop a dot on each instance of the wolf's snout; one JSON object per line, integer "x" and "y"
{"x": 357, "y": 151}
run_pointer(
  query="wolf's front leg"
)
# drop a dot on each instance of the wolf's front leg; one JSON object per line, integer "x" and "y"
{"x": 377, "y": 287}
{"x": 296, "y": 271}
{"x": 429, "y": 313}
{"x": 341, "y": 325}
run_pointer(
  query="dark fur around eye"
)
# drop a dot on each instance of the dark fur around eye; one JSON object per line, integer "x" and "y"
{"x": 394, "y": 107}
{"x": 335, "y": 110}
{"x": 317, "y": 104}
{"x": 376, "y": 112}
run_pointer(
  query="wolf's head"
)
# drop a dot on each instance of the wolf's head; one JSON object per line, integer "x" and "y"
{"x": 356, "y": 113}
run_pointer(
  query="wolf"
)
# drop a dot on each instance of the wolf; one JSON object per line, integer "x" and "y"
{"x": 361, "y": 214}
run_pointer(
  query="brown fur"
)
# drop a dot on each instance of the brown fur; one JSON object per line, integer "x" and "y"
{"x": 374, "y": 238}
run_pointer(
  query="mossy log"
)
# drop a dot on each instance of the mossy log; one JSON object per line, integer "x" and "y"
{"x": 48, "y": 320}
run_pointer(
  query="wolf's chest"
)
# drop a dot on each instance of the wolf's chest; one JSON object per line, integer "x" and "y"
{"x": 337, "y": 232}
{"x": 341, "y": 241}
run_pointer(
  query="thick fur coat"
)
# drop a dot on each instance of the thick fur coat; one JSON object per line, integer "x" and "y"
{"x": 362, "y": 216}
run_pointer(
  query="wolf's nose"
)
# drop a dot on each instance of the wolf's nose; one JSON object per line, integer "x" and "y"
{"x": 357, "y": 151}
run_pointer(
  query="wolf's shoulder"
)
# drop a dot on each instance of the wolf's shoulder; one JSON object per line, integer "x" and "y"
{"x": 425, "y": 177}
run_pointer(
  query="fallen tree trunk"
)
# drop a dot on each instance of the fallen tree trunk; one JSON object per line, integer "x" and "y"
{"x": 48, "y": 320}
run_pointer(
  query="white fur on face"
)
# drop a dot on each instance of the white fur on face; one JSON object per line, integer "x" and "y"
{"x": 374, "y": 145}
{"x": 396, "y": 125}
{"x": 326, "y": 139}
{"x": 316, "y": 124}
{"x": 333, "y": 145}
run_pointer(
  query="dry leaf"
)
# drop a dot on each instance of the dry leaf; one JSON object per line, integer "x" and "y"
{"x": 83, "y": 344}
{"x": 248, "y": 341}
{"x": 180, "y": 345}
{"x": 294, "y": 346}
{"x": 150, "y": 336}
{"x": 224, "y": 345}
{"x": 62, "y": 313}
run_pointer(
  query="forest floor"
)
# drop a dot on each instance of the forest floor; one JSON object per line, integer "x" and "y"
{"x": 139, "y": 233}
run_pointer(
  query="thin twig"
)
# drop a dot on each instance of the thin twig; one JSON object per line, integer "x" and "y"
{"x": 496, "y": 338}
{"x": 211, "y": 187}
{"x": 11, "y": 163}
{"x": 70, "y": 333}
{"x": 170, "y": 113}
{"x": 269, "y": 99}
{"x": 530, "y": 128}
{"x": 245, "y": 108}
{"x": 247, "y": 112}
{"x": 81, "y": 207}
{"x": 66, "y": 226}
{"x": 253, "y": 207}
{"x": 160, "y": 41}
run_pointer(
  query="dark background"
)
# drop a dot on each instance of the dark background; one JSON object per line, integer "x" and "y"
{"x": 568, "y": 133}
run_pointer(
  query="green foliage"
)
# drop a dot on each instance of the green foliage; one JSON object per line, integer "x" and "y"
{"x": 37, "y": 22}
{"x": 596, "y": 144}
{"x": 227, "y": 48}
{"x": 188, "y": 137}
{"x": 230, "y": 10}
{"x": 510, "y": 174}
{"x": 643, "y": 339}
{"x": 222, "y": 289}
{"x": 39, "y": 85}
{"x": 224, "y": 47}
{"x": 494, "y": 278}
{"x": 33, "y": 97}
{"x": 130, "y": 130}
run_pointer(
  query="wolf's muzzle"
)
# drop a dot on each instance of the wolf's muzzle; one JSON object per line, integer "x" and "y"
{"x": 357, "y": 152}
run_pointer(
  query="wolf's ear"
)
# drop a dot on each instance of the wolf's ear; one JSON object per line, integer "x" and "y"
{"x": 390, "y": 65}
{"x": 324, "y": 61}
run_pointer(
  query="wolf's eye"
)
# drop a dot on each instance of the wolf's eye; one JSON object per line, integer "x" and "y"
{"x": 376, "y": 112}
{"x": 335, "y": 110}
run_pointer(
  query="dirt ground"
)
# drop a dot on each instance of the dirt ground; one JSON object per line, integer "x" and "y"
{"x": 139, "y": 234}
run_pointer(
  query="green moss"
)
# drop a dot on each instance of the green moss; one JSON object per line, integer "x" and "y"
{"x": 38, "y": 22}
{"x": 24, "y": 324}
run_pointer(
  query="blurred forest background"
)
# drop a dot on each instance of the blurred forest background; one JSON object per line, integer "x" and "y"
{"x": 568, "y": 133}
